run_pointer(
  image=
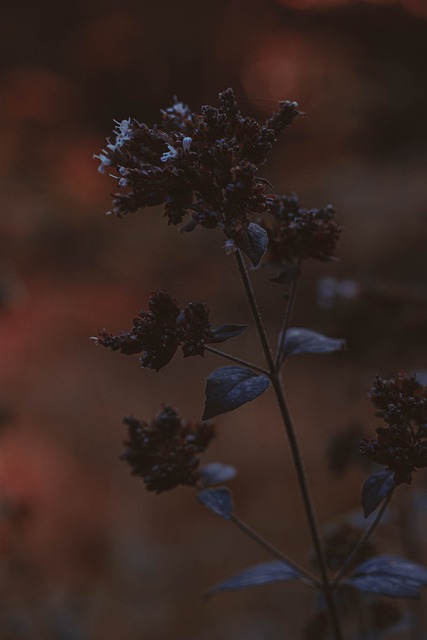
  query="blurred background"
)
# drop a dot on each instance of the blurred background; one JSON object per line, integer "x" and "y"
{"x": 85, "y": 552}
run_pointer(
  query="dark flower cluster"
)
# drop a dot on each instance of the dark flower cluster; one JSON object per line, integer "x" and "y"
{"x": 297, "y": 234}
{"x": 402, "y": 445}
{"x": 165, "y": 452}
{"x": 203, "y": 164}
{"x": 159, "y": 332}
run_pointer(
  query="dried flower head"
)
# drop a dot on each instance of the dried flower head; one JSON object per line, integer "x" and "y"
{"x": 166, "y": 451}
{"x": 402, "y": 445}
{"x": 297, "y": 234}
{"x": 203, "y": 164}
{"x": 159, "y": 332}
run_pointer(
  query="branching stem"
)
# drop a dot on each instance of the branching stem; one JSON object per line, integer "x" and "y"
{"x": 287, "y": 316}
{"x": 262, "y": 542}
{"x": 361, "y": 544}
{"x": 223, "y": 354}
{"x": 296, "y": 455}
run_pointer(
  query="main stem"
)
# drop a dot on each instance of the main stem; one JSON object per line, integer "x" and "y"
{"x": 296, "y": 454}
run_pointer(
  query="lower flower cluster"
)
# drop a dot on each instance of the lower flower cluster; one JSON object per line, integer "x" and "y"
{"x": 402, "y": 445}
{"x": 166, "y": 451}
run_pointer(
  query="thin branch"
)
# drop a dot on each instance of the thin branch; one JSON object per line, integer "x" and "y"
{"x": 262, "y": 542}
{"x": 223, "y": 354}
{"x": 287, "y": 317}
{"x": 362, "y": 542}
{"x": 255, "y": 311}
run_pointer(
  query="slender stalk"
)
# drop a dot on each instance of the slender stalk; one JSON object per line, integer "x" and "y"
{"x": 255, "y": 312}
{"x": 299, "y": 467}
{"x": 223, "y": 354}
{"x": 362, "y": 542}
{"x": 287, "y": 316}
{"x": 262, "y": 542}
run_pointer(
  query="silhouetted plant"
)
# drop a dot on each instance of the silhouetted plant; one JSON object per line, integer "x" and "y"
{"x": 203, "y": 168}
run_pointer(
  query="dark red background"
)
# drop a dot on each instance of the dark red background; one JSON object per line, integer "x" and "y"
{"x": 85, "y": 552}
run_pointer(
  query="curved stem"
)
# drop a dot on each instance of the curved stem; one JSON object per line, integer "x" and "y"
{"x": 296, "y": 455}
{"x": 287, "y": 317}
{"x": 223, "y": 354}
{"x": 262, "y": 542}
{"x": 362, "y": 542}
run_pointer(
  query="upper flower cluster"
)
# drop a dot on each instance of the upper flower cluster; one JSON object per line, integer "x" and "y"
{"x": 297, "y": 234}
{"x": 204, "y": 164}
{"x": 165, "y": 452}
{"x": 402, "y": 445}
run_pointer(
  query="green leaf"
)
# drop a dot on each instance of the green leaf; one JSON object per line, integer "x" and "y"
{"x": 218, "y": 500}
{"x": 257, "y": 576}
{"x": 376, "y": 489}
{"x": 229, "y": 387}
{"x": 299, "y": 340}
{"x": 389, "y": 576}
{"x": 253, "y": 241}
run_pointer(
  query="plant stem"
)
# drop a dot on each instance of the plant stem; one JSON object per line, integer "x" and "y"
{"x": 287, "y": 317}
{"x": 309, "y": 577}
{"x": 362, "y": 542}
{"x": 299, "y": 467}
{"x": 255, "y": 312}
{"x": 223, "y": 354}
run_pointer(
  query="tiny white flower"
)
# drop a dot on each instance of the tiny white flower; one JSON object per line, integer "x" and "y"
{"x": 123, "y": 133}
{"x": 105, "y": 162}
{"x": 186, "y": 143}
{"x": 169, "y": 155}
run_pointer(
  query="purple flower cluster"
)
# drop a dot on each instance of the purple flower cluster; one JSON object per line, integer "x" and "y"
{"x": 166, "y": 451}
{"x": 402, "y": 445}
{"x": 159, "y": 332}
{"x": 202, "y": 164}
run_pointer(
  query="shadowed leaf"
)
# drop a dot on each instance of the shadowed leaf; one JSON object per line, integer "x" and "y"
{"x": 253, "y": 241}
{"x": 389, "y": 576}
{"x": 227, "y": 331}
{"x": 376, "y": 489}
{"x": 229, "y": 387}
{"x": 299, "y": 340}
{"x": 218, "y": 500}
{"x": 216, "y": 472}
{"x": 257, "y": 576}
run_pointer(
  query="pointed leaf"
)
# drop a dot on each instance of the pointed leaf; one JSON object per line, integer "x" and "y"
{"x": 376, "y": 489}
{"x": 389, "y": 576}
{"x": 229, "y": 387}
{"x": 300, "y": 340}
{"x": 257, "y": 576}
{"x": 227, "y": 331}
{"x": 216, "y": 472}
{"x": 253, "y": 241}
{"x": 218, "y": 500}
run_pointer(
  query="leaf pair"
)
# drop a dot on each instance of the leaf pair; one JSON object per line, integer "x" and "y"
{"x": 220, "y": 502}
{"x": 227, "y": 388}
{"x": 383, "y": 575}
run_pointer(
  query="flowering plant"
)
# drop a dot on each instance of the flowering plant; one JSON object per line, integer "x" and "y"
{"x": 203, "y": 169}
